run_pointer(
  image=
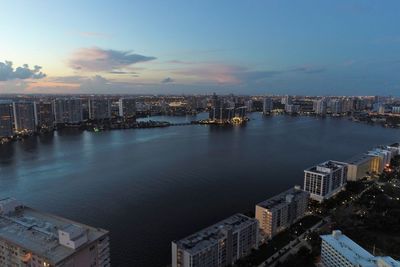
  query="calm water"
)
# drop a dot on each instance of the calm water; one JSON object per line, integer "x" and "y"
{"x": 151, "y": 186}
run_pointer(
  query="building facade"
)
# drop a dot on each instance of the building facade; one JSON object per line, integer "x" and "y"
{"x": 6, "y": 119}
{"x": 127, "y": 107}
{"x": 68, "y": 110}
{"x": 267, "y": 105}
{"x": 24, "y": 116}
{"x": 325, "y": 180}
{"x": 32, "y": 238}
{"x": 44, "y": 114}
{"x": 339, "y": 250}
{"x": 281, "y": 211}
{"x": 221, "y": 244}
{"x": 99, "y": 109}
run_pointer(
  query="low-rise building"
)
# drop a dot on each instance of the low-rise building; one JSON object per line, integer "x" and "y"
{"x": 281, "y": 211}
{"x": 325, "y": 179}
{"x": 221, "y": 244}
{"x": 339, "y": 250}
{"x": 359, "y": 167}
{"x": 32, "y": 238}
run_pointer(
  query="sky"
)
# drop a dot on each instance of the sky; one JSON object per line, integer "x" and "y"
{"x": 306, "y": 47}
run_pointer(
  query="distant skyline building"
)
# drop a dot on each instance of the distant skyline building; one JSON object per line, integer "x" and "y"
{"x": 44, "y": 114}
{"x": 336, "y": 106}
{"x": 396, "y": 109}
{"x": 6, "y": 118}
{"x": 320, "y": 107}
{"x": 24, "y": 116}
{"x": 281, "y": 211}
{"x": 68, "y": 110}
{"x": 127, "y": 107}
{"x": 219, "y": 245}
{"x": 339, "y": 250}
{"x": 32, "y": 238}
{"x": 268, "y": 105}
{"x": 325, "y": 179}
{"x": 99, "y": 108}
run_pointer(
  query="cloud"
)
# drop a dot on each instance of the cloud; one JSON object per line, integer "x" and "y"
{"x": 168, "y": 80}
{"x": 97, "y": 59}
{"x": 7, "y": 72}
{"x": 308, "y": 69}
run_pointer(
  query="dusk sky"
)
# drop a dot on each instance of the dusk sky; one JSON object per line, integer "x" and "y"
{"x": 242, "y": 47}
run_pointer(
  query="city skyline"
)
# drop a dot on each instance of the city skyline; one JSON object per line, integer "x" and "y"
{"x": 340, "y": 48}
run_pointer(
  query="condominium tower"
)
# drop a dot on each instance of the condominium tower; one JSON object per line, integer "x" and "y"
{"x": 221, "y": 244}
{"x": 281, "y": 211}
{"x": 326, "y": 179}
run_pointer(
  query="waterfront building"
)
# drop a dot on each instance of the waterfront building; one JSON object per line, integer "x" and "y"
{"x": 32, "y": 238}
{"x": 292, "y": 109}
{"x": 281, "y": 211}
{"x": 336, "y": 106}
{"x": 396, "y": 110}
{"x": 339, "y": 250}
{"x": 24, "y": 116}
{"x": 221, "y": 244}
{"x": 68, "y": 110}
{"x": 320, "y": 107}
{"x": 99, "y": 108}
{"x": 359, "y": 167}
{"x": 127, "y": 107}
{"x": 44, "y": 114}
{"x": 381, "y": 158}
{"x": 348, "y": 105}
{"x": 267, "y": 105}
{"x": 6, "y": 119}
{"x": 325, "y": 180}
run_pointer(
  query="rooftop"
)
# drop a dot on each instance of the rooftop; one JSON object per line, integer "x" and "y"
{"x": 354, "y": 253}
{"x": 37, "y": 232}
{"x": 359, "y": 159}
{"x": 282, "y": 198}
{"x": 326, "y": 167}
{"x": 211, "y": 235}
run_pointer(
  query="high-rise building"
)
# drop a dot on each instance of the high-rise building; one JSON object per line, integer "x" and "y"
{"x": 99, "y": 108}
{"x": 127, "y": 107}
{"x": 320, "y": 107}
{"x": 32, "y": 238}
{"x": 336, "y": 106}
{"x": 281, "y": 211}
{"x": 221, "y": 244}
{"x": 396, "y": 109}
{"x": 326, "y": 179}
{"x": 359, "y": 167}
{"x": 339, "y": 250}
{"x": 44, "y": 114}
{"x": 267, "y": 105}
{"x": 24, "y": 116}
{"x": 6, "y": 119}
{"x": 68, "y": 110}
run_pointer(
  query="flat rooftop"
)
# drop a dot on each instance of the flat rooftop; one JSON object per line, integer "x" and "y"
{"x": 211, "y": 235}
{"x": 280, "y": 199}
{"x": 37, "y": 232}
{"x": 361, "y": 158}
{"x": 354, "y": 253}
{"x": 330, "y": 165}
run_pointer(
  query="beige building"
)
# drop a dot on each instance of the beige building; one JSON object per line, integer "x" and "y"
{"x": 361, "y": 166}
{"x": 32, "y": 238}
{"x": 279, "y": 212}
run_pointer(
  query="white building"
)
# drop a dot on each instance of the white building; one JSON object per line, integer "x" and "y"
{"x": 281, "y": 211}
{"x": 32, "y": 238}
{"x": 325, "y": 180}
{"x": 267, "y": 105}
{"x": 396, "y": 110}
{"x": 221, "y": 244}
{"x": 320, "y": 107}
{"x": 339, "y": 250}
